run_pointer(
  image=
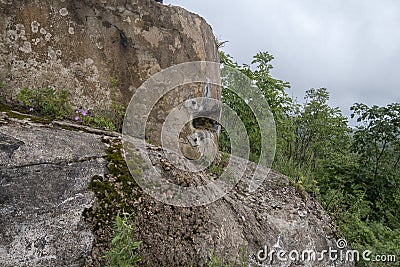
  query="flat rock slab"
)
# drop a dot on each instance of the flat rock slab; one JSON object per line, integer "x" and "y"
{"x": 44, "y": 173}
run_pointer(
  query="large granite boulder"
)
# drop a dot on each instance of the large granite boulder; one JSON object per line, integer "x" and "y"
{"x": 242, "y": 227}
{"x": 80, "y": 45}
{"x": 101, "y": 52}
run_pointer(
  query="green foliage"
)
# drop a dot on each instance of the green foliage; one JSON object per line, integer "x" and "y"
{"x": 1, "y": 85}
{"x": 249, "y": 121}
{"x": 116, "y": 192}
{"x": 321, "y": 132}
{"x": 99, "y": 122}
{"x": 373, "y": 236}
{"x": 55, "y": 104}
{"x": 123, "y": 248}
{"x": 111, "y": 119}
{"x": 216, "y": 261}
{"x": 46, "y": 101}
{"x": 354, "y": 173}
{"x": 273, "y": 90}
{"x": 117, "y": 109}
{"x": 377, "y": 144}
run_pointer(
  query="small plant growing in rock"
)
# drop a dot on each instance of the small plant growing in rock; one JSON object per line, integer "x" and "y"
{"x": 87, "y": 118}
{"x": 55, "y": 104}
{"x": 110, "y": 118}
{"x": 216, "y": 261}
{"x": 219, "y": 165}
{"x": 118, "y": 110}
{"x": 123, "y": 248}
{"x": 46, "y": 101}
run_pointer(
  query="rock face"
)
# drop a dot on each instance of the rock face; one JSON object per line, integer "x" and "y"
{"x": 44, "y": 174}
{"x": 276, "y": 217}
{"x": 79, "y": 45}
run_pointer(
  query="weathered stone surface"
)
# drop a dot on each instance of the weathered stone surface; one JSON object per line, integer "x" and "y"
{"x": 237, "y": 226}
{"x": 164, "y": 108}
{"x": 44, "y": 174}
{"x": 79, "y": 45}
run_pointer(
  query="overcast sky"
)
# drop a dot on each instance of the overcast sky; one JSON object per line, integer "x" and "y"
{"x": 351, "y": 47}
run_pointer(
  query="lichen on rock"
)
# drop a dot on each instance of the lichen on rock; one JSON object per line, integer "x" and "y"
{"x": 46, "y": 44}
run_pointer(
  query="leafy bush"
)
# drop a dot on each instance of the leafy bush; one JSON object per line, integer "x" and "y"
{"x": 55, "y": 104}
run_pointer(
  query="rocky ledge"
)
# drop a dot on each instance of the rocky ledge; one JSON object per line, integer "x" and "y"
{"x": 48, "y": 213}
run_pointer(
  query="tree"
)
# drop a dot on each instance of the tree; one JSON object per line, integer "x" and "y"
{"x": 271, "y": 89}
{"x": 321, "y": 131}
{"x": 377, "y": 143}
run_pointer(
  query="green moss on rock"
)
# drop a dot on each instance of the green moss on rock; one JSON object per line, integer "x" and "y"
{"x": 16, "y": 112}
{"x": 117, "y": 191}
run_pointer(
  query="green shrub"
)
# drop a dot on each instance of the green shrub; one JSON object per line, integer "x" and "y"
{"x": 46, "y": 101}
{"x": 353, "y": 172}
{"x": 98, "y": 122}
{"x": 123, "y": 248}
